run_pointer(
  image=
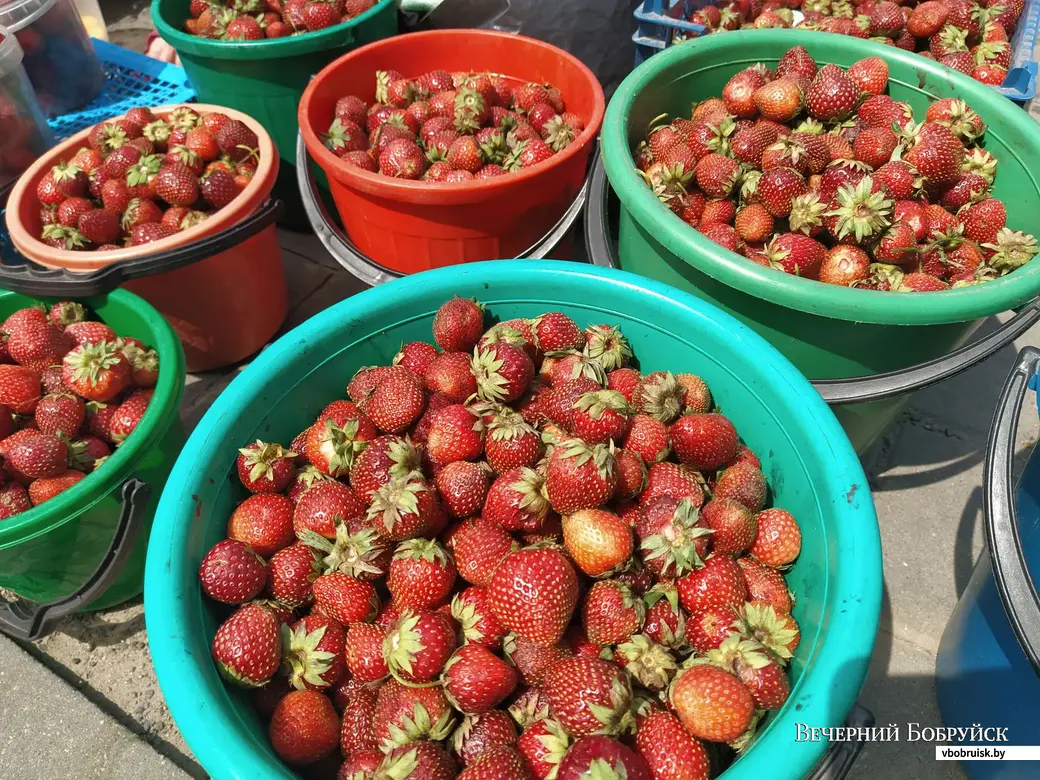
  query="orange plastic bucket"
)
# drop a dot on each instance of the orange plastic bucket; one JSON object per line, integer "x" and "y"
{"x": 220, "y": 284}
{"x": 411, "y": 226}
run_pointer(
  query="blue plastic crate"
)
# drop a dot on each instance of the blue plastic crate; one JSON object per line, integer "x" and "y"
{"x": 658, "y": 21}
{"x": 131, "y": 80}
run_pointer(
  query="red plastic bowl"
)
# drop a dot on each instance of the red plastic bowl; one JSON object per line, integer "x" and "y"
{"x": 413, "y": 226}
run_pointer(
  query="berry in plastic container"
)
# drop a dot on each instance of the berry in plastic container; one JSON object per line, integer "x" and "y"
{"x": 24, "y": 133}
{"x": 59, "y": 58}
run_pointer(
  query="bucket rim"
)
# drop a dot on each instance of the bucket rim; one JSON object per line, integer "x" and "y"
{"x": 806, "y": 295}
{"x": 854, "y": 592}
{"x": 158, "y": 418}
{"x": 337, "y": 36}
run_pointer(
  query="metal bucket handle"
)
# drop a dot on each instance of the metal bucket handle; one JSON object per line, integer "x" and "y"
{"x": 369, "y": 271}
{"x": 29, "y": 622}
{"x": 853, "y": 390}
{"x": 1018, "y": 592}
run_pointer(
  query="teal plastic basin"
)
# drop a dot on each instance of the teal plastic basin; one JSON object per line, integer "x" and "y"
{"x": 810, "y": 464}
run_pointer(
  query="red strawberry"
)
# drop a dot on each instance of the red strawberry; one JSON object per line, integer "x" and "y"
{"x": 543, "y": 745}
{"x": 742, "y": 482}
{"x": 177, "y": 184}
{"x": 611, "y": 613}
{"x": 404, "y": 508}
{"x": 264, "y": 522}
{"x": 60, "y": 413}
{"x": 71, "y": 210}
{"x": 472, "y": 610}
{"x": 463, "y": 487}
{"x": 363, "y": 653}
{"x": 766, "y": 584}
{"x": 42, "y": 455}
{"x": 598, "y": 541}
{"x": 555, "y": 332}
{"x": 247, "y": 648}
{"x": 397, "y": 401}
{"x": 456, "y": 433}
{"x": 128, "y": 415}
{"x": 479, "y": 547}
{"x": 598, "y": 753}
{"x": 503, "y": 372}
{"x": 416, "y": 356}
{"x": 318, "y": 508}
{"x": 480, "y": 734}
{"x": 704, "y": 441}
{"x": 534, "y": 593}
{"x": 476, "y": 680}
{"x": 232, "y": 573}
{"x": 832, "y": 94}
{"x": 579, "y": 476}
{"x": 304, "y": 728}
{"x": 665, "y": 620}
{"x": 779, "y": 539}
{"x": 588, "y": 696}
{"x": 45, "y": 489}
{"x": 236, "y": 140}
{"x": 870, "y": 75}
{"x": 717, "y": 175}
{"x": 733, "y": 525}
{"x": 418, "y": 646}
{"x": 720, "y": 582}
{"x": 38, "y": 347}
{"x": 345, "y": 598}
{"x": 672, "y": 538}
{"x": 648, "y": 438}
{"x": 337, "y": 436}
{"x": 313, "y": 651}
{"x": 421, "y": 574}
{"x": 90, "y": 333}
{"x": 777, "y": 189}
{"x": 670, "y": 752}
{"x": 511, "y": 443}
{"x": 711, "y": 704}
{"x": 450, "y": 375}
{"x": 671, "y": 479}
{"x": 779, "y": 100}
{"x": 708, "y": 629}
{"x": 601, "y": 416}
{"x": 927, "y": 19}
{"x": 265, "y": 468}
{"x": 937, "y": 153}
{"x": 983, "y": 220}
{"x": 775, "y": 630}
{"x": 13, "y": 500}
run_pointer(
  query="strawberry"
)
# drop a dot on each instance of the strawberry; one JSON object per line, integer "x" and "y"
{"x": 472, "y": 610}
{"x": 766, "y": 584}
{"x": 739, "y": 93}
{"x": 37, "y": 347}
{"x": 313, "y": 652}
{"x": 600, "y": 417}
{"x": 42, "y": 455}
{"x": 62, "y": 413}
{"x": 733, "y": 525}
{"x": 65, "y": 313}
{"x": 232, "y": 573}
{"x": 777, "y": 189}
{"x": 588, "y": 696}
{"x": 711, "y": 703}
{"x": 671, "y": 479}
{"x": 404, "y": 508}
{"x": 937, "y": 153}
{"x": 707, "y": 629}
{"x": 832, "y": 94}
{"x": 90, "y": 333}
{"x": 236, "y": 140}
{"x": 462, "y": 487}
{"x": 403, "y": 159}
{"x": 717, "y": 175}
{"x": 593, "y": 754}
{"x": 479, "y": 734}
{"x": 128, "y": 415}
{"x": 754, "y": 223}
{"x": 503, "y": 372}
{"x": 421, "y": 761}
{"x": 611, "y": 613}
{"x": 720, "y": 582}
{"x": 46, "y": 488}
{"x": 247, "y": 648}
{"x": 648, "y": 438}
{"x": 660, "y": 395}
{"x": 927, "y": 19}
{"x": 534, "y": 593}
{"x": 598, "y": 541}
{"x": 138, "y": 212}
{"x": 363, "y": 654}
{"x": 779, "y": 100}
{"x": 704, "y": 441}
{"x": 316, "y": 509}
{"x": 672, "y": 538}
{"x": 418, "y": 646}
{"x": 264, "y": 522}
{"x": 304, "y": 728}
{"x": 543, "y": 744}
{"x": 421, "y": 574}
{"x": 479, "y": 547}
{"x": 337, "y": 436}
{"x": 396, "y": 402}
{"x": 345, "y": 598}
{"x": 265, "y": 468}
{"x": 476, "y": 680}
{"x": 177, "y": 184}
{"x": 450, "y": 375}
{"x": 870, "y": 75}
{"x": 500, "y": 763}
{"x": 511, "y": 443}
{"x": 742, "y": 482}
{"x": 670, "y": 752}
{"x": 13, "y": 500}
{"x": 71, "y": 210}
{"x": 779, "y": 539}
{"x": 983, "y": 220}
{"x": 555, "y": 332}
{"x": 456, "y": 433}
{"x": 579, "y": 476}
{"x": 149, "y": 232}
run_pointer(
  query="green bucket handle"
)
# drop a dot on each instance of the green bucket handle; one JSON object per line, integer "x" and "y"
{"x": 1017, "y": 590}
{"x": 838, "y": 392}
{"x": 29, "y": 622}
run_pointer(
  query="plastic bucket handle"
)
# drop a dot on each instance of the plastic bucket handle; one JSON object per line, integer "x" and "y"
{"x": 838, "y": 760}
{"x": 852, "y": 390}
{"x": 32, "y": 279}
{"x": 368, "y": 270}
{"x": 1017, "y": 590}
{"x": 29, "y": 622}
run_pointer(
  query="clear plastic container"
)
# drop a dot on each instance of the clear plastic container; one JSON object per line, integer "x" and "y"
{"x": 59, "y": 58}
{"x": 90, "y": 13}
{"x": 24, "y": 134}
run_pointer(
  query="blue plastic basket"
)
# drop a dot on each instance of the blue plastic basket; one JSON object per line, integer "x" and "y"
{"x": 131, "y": 80}
{"x": 658, "y": 21}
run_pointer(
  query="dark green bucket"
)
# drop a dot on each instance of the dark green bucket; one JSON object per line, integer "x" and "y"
{"x": 828, "y": 332}
{"x": 265, "y": 79}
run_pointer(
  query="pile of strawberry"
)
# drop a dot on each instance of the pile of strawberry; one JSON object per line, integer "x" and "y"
{"x": 142, "y": 178}
{"x": 972, "y": 37}
{"x": 451, "y": 127}
{"x": 256, "y": 20}
{"x": 70, "y": 390}
{"x": 516, "y": 555}
{"x": 817, "y": 172}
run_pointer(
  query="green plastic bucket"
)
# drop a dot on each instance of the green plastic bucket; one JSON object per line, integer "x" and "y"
{"x": 812, "y": 470}
{"x": 828, "y": 332}
{"x": 53, "y": 552}
{"x": 265, "y": 79}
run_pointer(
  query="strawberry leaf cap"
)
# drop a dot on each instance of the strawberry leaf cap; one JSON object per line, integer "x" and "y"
{"x": 597, "y": 402}
{"x": 399, "y": 496}
{"x": 259, "y": 459}
{"x": 416, "y": 727}
{"x": 353, "y": 554}
{"x": 648, "y": 662}
{"x": 301, "y": 659}
{"x": 759, "y": 621}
